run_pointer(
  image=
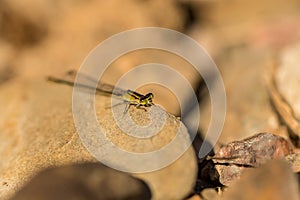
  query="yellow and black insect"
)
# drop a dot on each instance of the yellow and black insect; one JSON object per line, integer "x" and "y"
{"x": 130, "y": 97}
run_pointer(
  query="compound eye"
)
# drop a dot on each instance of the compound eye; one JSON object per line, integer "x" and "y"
{"x": 150, "y": 95}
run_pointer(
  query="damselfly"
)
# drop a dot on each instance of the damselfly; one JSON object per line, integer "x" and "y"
{"x": 130, "y": 97}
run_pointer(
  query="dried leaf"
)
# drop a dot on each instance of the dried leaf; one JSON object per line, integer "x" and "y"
{"x": 254, "y": 151}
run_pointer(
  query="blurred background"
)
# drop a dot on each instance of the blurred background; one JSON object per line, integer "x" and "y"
{"x": 40, "y": 38}
{"x": 48, "y": 37}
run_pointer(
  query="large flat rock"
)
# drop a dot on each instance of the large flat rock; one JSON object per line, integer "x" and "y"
{"x": 37, "y": 132}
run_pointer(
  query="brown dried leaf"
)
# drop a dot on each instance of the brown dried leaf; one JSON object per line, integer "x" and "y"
{"x": 232, "y": 158}
{"x": 294, "y": 161}
{"x": 254, "y": 151}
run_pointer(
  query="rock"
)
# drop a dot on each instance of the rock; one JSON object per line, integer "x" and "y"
{"x": 37, "y": 132}
{"x": 194, "y": 197}
{"x": 274, "y": 180}
{"x": 77, "y": 27}
{"x": 248, "y": 109}
{"x": 210, "y": 194}
{"x": 245, "y": 41}
{"x": 36, "y": 125}
{"x": 48, "y": 36}
{"x": 85, "y": 181}
{"x": 256, "y": 24}
{"x": 283, "y": 88}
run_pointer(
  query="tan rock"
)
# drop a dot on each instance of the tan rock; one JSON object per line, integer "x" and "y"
{"x": 210, "y": 194}
{"x": 248, "y": 108}
{"x": 37, "y": 121}
{"x": 273, "y": 180}
{"x": 283, "y": 90}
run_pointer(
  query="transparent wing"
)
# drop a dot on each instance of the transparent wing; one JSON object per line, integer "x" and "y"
{"x": 88, "y": 81}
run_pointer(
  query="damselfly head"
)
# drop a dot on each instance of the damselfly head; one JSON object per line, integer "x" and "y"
{"x": 147, "y": 100}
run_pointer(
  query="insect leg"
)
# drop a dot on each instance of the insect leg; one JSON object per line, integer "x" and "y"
{"x": 139, "y": 107}
{"x": 127, "y": 108}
